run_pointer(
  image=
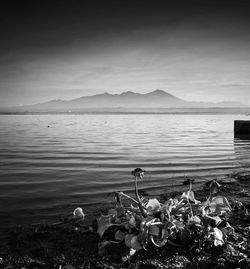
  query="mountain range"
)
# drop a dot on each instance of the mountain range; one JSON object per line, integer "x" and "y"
{"x": 126, "y": 101}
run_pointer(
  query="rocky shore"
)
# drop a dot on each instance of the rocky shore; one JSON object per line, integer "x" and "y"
{"x": 72, "y": 244}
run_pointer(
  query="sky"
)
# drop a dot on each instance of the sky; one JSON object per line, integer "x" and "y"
{"x": 198, "y": 50}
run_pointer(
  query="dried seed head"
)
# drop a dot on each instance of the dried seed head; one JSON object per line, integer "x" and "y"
{"x": 138, "y": 172}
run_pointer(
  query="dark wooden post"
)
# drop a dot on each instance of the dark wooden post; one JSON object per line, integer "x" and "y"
{"x": 242, "y": 127}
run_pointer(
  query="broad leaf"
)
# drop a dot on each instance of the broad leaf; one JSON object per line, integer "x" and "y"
{"x": 219, "y": 204}
{"x": 154, "y": 230}
{"x": 153, "y": 206}
{"x": 178, "y": 224}
{"x": 103, "y": 224}
{"x": 189, "y": 195}
{"x": 132, "y": 221}
{"x": 128, "y": 239}
{"x": 194, "y": 220}
{"x": 112, "y": 212}
{"x": 217, "y": 236}
{"x": 132, "y": 252}
{"x": 119, "y": 235}
{"x": 135, "y": 244}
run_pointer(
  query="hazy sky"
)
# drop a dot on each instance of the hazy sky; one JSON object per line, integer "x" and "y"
{"x": 198, "y": 50}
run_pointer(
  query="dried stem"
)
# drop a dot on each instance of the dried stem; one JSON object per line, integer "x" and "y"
{"x": 141, "y": 207}
{"x": 129, "y": 197}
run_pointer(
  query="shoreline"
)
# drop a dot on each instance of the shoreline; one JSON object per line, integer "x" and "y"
{"x": 131, "y": 111}
{"x": 69, "y": 243}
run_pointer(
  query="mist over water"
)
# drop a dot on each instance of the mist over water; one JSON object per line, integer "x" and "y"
{"x": 52, "y": 163}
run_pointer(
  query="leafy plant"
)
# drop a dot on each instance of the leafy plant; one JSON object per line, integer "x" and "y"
{"x": 178, "y": 222}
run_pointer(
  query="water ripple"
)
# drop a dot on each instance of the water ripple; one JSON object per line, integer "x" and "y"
{"x": 84, "y": 158}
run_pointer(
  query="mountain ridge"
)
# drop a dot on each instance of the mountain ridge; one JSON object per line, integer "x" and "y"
{"x": 158, "y": 99}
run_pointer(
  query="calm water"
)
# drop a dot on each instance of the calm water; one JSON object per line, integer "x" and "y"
{"x": 79, "y": 160}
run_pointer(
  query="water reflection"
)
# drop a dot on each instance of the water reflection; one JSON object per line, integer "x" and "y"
{"x": 242, "y": 149}
{"x": 242, "y": 137}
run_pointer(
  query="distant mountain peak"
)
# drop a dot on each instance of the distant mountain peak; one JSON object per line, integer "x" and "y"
{"x": 157, "y": 91}
{"x": 128, "y": 93}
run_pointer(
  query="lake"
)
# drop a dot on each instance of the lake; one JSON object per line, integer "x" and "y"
{"x": 51, "y": 164}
